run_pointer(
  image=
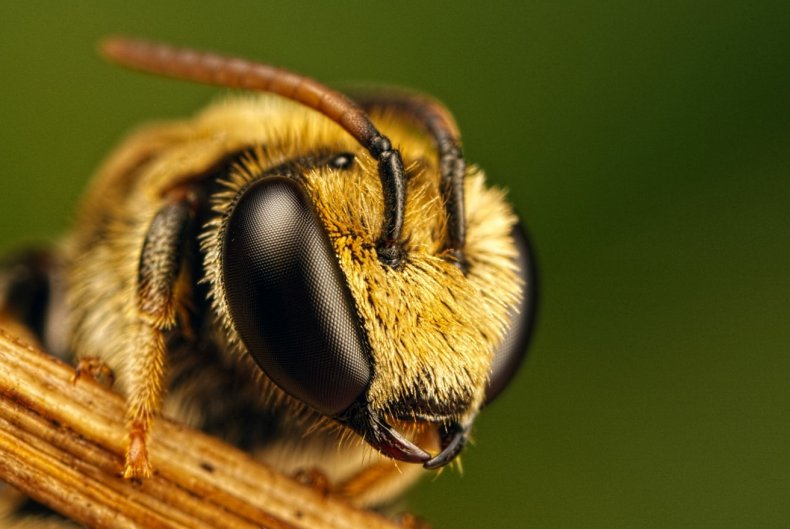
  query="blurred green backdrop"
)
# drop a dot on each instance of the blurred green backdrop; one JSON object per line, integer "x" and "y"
{"x": 646, "y": 144}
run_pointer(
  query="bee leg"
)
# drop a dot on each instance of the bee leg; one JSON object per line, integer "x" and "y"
{"x": 434, "y": 118}
{"x": 157, "y": 309}
{"x": 313, "y": 477}
{"x": 95, "y": 369}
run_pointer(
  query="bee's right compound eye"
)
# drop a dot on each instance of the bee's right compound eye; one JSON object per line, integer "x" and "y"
{"x": 510, "y": 354}
{"x": 289, "y": 300}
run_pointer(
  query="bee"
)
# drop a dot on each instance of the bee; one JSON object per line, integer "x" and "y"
{"x": 281, "y": 274}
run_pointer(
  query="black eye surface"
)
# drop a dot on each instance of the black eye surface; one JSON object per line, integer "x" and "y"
{"x": 288, "y": 298}
{"x": 511, "y": 353}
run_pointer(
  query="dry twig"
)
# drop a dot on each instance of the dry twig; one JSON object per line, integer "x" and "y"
{"x": 62, "y": 443}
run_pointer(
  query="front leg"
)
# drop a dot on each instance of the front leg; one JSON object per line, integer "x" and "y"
{"x": 159, "y": 270}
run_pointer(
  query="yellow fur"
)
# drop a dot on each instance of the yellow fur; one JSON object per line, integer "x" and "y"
{"x": 432, "y": 329}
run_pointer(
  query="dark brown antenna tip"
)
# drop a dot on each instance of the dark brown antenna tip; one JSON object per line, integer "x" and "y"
{"x": 233, "y": 72}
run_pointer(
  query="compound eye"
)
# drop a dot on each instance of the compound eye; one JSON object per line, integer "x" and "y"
{"x": 288, "y": 298}
{"x": 511, "y": 353}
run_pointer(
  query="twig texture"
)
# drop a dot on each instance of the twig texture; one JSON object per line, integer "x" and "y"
{"x": 62, "y": 442}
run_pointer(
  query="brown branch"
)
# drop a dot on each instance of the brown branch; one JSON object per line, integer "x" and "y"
{"x": 62, "y": 443}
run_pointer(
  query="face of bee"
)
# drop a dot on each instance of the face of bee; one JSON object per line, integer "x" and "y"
{"x": 379, "y": 349}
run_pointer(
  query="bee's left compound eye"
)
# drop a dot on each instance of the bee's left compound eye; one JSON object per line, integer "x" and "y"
{"x": 288, "y": 298}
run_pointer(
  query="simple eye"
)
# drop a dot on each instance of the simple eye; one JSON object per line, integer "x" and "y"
{"x": 288, "y": 298}
{"x": 514, "y": 347}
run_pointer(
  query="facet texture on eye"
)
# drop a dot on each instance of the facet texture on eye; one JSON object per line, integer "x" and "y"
{"x": 288, "y": 298}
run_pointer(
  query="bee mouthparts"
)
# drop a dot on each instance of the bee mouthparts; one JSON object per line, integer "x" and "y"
{"x": 380, "y": 435}
{"x": 453, "y": 437}
{"x": 387, "y": 440}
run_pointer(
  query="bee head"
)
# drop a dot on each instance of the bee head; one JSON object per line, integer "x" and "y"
{"x": 377, "y": 348}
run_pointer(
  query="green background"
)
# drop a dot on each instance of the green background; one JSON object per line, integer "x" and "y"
{"x": 646, "y": 145}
